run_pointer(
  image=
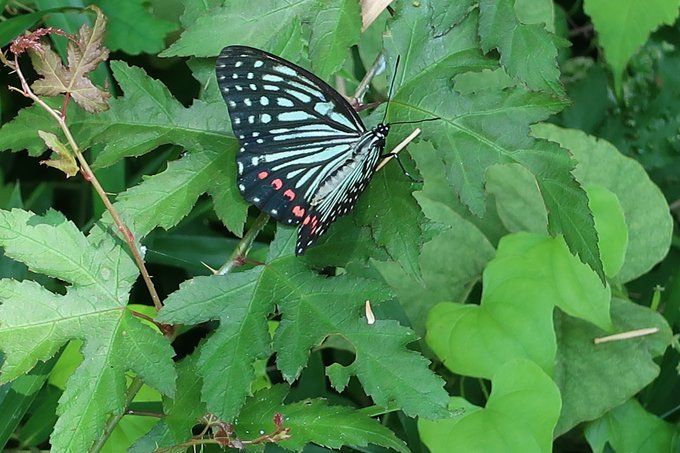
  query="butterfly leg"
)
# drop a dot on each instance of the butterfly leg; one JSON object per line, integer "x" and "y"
{"x": 401, "y": 165}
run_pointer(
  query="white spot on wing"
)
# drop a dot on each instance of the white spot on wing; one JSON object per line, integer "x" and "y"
{"x": 285, "y": 70}
{"x": 272, "y": 78}
{"x": 247, "y": 102}
{"x": 270, "y": 87}
{"x": 265, "y": 118}
{"x": 257, "y": 64}
{"x": 283, "y": 102}
{"x": 264, "y": 101}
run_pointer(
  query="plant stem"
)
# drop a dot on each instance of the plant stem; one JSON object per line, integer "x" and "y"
{"x": 238, "y": 256}
{"x": 89, "y": 175}
{"x": 373, "y": 71}
{"x": 111, "y": 424}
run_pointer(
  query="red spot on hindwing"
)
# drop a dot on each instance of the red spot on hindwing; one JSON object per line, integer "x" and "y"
{"x": 290, "y": 195}
{"x": 306, "y": 221}
{"x": 299, "y": 212}
{"x": 262, "y": 175}
{"x": 277, "y": 184}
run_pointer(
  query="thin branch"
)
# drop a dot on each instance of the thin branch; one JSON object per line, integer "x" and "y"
{"x": 398, "y": 148}
{"x": 375, "y": 69}
{"x": 626, "y": 335}
{"x": 238, "y": 257}
{"x": 144, "y": 413}
{"x": 89, "y": 175}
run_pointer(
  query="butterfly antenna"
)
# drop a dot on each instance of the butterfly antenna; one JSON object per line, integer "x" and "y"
{"x": 416, "y": 121}
{"x": 389, "y": 93}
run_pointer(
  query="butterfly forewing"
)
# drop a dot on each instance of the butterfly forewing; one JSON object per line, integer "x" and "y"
{"x": 305, "y": 156}
{"x": 294, "y": 130}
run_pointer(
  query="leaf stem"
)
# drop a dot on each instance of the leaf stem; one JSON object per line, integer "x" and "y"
{"x": 375, "y": 69}
{"x": 237, "y": 258}
{"x": 89, "y": 175}
{"x": 111, "y": 424}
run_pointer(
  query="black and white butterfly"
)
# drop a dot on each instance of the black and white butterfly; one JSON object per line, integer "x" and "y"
{"x": 305, "y": 154}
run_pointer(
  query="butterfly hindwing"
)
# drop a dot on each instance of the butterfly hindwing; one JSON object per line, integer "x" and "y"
{"x": 294, "y": 130}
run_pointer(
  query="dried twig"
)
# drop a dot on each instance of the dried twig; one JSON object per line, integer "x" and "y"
{"x": 398, "y": 148}
{"x": 626, "y": 335}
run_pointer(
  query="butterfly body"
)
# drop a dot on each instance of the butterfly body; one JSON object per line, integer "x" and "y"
{"x": 305, "y": 155}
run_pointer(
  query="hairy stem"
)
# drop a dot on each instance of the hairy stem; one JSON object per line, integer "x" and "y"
{"x": 89, "y": 175}
{"x": 238, "y": 256}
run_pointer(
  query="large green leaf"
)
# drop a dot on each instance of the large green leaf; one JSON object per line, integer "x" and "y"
{"x": 449, "y": 265}
{"x": 529, "y": 276}
{"x": 630, "y": 427}
{"x": 312, "y": 421}
{"x": 596, "y": 378}
{"x": 148, "y": 116}
{"x": 313, "y": 307}
{"x": 181, "y": 412}
{"x": 644, "y": 206}
{"x": 132, "y": 28}
{"x": 239, "y": 23}
{"x": 520, "y": 415}
{"x": 480, "y": 128}
{"x": 93, "y": 309}
{"x": 501, "y": 27}
{"x": 336, "y": 28}
{"x": 625, "y": 25}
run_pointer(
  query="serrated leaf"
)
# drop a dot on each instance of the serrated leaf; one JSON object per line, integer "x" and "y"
{"x": 148, "y": 116}
{"x": 62, "y": 159}
{"x": 132, "y": 28}
{"x": 83, "y": 56}
{"x": 644, "y": 206}
{"x": 335, "y": 29}
{"x": 389, "y": 210}
{"x": 630, "y": 427}
{"x": 596, "y": 378}
{"x": 162, "y": 200}
{"x": 181, "y": 412}
{"x": 238, "y": 23}
{"x": 486, "y": 127}
{"x": 449, "y": 265}
{"x": 312, "y": 421}
{"x": 93, "y": 309}
{"x": 500, "y": 27}
{"x": 521, "y": 413}
{"x": 623, "y": 27}
{"x": 323, "y": 306}
{"x": 529, "y": 276}
{"x": 20, "y": 133}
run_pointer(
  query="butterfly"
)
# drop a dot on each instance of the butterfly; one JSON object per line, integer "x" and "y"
{"x": 305, "y": 155}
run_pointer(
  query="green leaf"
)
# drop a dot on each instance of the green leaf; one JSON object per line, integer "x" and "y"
{"x": 520, "y": 415}
{"x": 62, "y": 158}
{"x": 500, "y": 27}
{"x": 21, "y": 132}
{"x": 336, "y": 307}
{"x": 486, "y": 127}
{"x": 132, "y": 28}
{"x": 336, "y": 27}
{"x": 164, "y": 199}
{"x": 393, "y": 216}
{"x": 630, "y": 427}
{"x": 518, "y": 198}
{"x": 181, "y": 412}
{"x": 529, "y": 276}
{"x": 226, "y": 359}
{"x": 644, "y": 206}
{"x": 148, "y": 116}
{"x": 449, "y": 265}
{"x": 611, "y": 228}
{"x": 592, "y": 378}
{"x": 312, "y": 421}
{"x": 324, "y": 306}
{"x": 238, "y": 22}
{"x": 623, "y": 27}
{"x": 93, "y": 309}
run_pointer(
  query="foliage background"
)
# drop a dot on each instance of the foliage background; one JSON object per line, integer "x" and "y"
{"x": 560, "y": 136}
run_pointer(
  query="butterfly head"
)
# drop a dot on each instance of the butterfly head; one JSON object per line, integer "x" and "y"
{"x": 381, "y": 131}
